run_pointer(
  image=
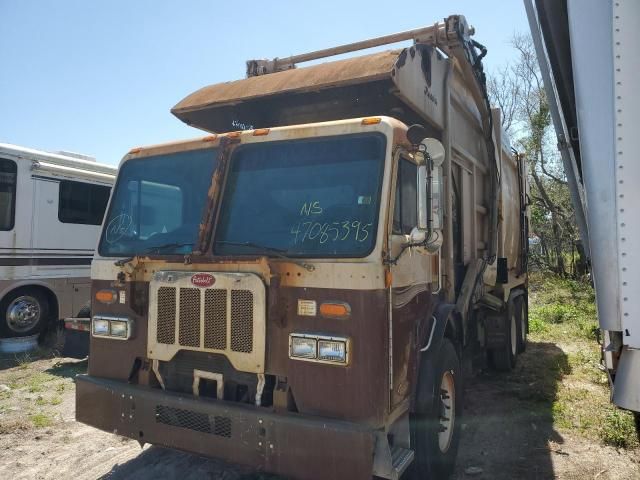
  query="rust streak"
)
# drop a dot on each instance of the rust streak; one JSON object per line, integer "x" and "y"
{"x": 213, "y": 195}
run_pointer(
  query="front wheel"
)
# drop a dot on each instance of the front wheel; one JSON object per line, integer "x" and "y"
{"x": 25, "y": 313}
{"x": 435, "y": 426}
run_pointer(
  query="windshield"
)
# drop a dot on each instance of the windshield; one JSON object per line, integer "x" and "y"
{"x": 305, "y": 198}
{"x": 157, "y": 204}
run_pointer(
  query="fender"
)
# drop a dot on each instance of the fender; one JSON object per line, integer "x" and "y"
{"x": 26, "y": 283}
{"x": 441, "y": 318}
{"x": 516, "y": 292}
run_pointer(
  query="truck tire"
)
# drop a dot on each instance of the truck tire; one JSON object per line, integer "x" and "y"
{"x": 522, "y": 311}
{"x": 24, "y": 313}
{"x": 503, "y": 358}
{"x": 435, "y": 426}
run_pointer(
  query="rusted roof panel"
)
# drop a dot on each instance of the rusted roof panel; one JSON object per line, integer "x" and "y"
{"x": 351, "y": 71}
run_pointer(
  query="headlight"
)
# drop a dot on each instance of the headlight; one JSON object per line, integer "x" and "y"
{"x": 100, "y": 326}
{"x": 319, "y": 348}
{"x": 303, "y": 347}
{"x": 332, "y": 351}
{"x": 118, "y": 328}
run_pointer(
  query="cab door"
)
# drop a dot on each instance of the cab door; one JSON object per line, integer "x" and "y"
{"x": 410, "y": 277}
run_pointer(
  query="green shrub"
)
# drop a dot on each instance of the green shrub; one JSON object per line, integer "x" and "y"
{"x": 536, "y": 324}
{"x": 618, "y": 429}
{"x": 41, "y": 420}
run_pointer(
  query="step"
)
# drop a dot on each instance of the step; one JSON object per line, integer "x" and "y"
{"x": 401, "y": 458}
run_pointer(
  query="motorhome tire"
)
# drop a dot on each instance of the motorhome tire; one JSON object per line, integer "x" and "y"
{"x": 503, "y": 358}
{"x": 85, "y": 312}
{"x": 522, "y": 311}
{"x": 24, "y": 312}
{"x": 435, "y": 426}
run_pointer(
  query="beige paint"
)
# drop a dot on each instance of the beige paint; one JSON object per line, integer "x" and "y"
{"x": 253, "y": 361}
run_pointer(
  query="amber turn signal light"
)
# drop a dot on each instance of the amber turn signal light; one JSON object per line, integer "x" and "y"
{"x": 106, "y": 296}
{"x": 371, "y": 121}
{"x": 335, "y": 310}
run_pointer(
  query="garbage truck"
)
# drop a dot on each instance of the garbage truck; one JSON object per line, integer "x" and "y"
{"x": 589, "y": 58}
{"x": 302, "y": 289}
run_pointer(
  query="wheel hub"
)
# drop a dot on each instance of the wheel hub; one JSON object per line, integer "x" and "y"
{"x": 447, "y": 411}
{"x": 23, "y": 314}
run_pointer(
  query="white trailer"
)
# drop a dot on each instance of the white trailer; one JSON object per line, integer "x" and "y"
{"x": 51, "y": 210}
{"x": 589, "y": 56}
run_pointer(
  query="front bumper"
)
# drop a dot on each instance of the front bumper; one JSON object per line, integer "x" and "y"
{"x": 292, "y": 445}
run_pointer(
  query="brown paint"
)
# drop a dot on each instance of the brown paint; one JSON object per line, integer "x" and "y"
{"x": 297, "y": 446}
{"x": 407, "y": 323}
{"x": 357, "y": 392}
{"x": 114, "y": 359}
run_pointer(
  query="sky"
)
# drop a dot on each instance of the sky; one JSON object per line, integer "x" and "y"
{"x": 99, "y": 78}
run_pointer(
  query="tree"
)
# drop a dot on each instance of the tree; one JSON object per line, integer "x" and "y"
{"x": 519, "y": 91}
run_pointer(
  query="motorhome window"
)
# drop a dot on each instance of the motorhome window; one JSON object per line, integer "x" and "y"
{"x": 307, "y": 198}
{"x": 405, "y": 213}
{"x": 82, "y": 203}
{"x": 158, "y": 203}
{"x": 8, "y": 174}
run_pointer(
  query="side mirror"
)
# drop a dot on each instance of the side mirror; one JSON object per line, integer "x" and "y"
{"x": 416, "y": 133}
{"x": 429, "y": 196}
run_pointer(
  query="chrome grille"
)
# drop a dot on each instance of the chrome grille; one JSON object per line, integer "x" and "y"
{"x": 215, "y": 319}
{"x": 166, "y": 330}
{"x": 241, "y": 321}
{"x": 189, "y": 328}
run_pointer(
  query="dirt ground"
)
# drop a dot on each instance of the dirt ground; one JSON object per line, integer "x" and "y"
{"x": 508, "y": 430}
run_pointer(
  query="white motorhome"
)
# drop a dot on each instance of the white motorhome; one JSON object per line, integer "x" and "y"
{"x": 51, "y": 209}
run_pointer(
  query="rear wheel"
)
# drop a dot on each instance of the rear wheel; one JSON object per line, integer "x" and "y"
{"x": 25, "y": 313}
{"x": 435, "y": 427}
{"x": 522, "y": 311}
{"x": 503, "y": 358}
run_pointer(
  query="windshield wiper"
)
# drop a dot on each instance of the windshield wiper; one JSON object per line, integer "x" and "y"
{"x": 157, "y": 248}
{"x": 277, "y": 252}
{"x": 153, "y": 249}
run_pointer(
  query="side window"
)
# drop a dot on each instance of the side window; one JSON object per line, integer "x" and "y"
{"x": 82, "y": 203}
{"x": 405, "y": 214}
{"x": 8, "y": 174}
